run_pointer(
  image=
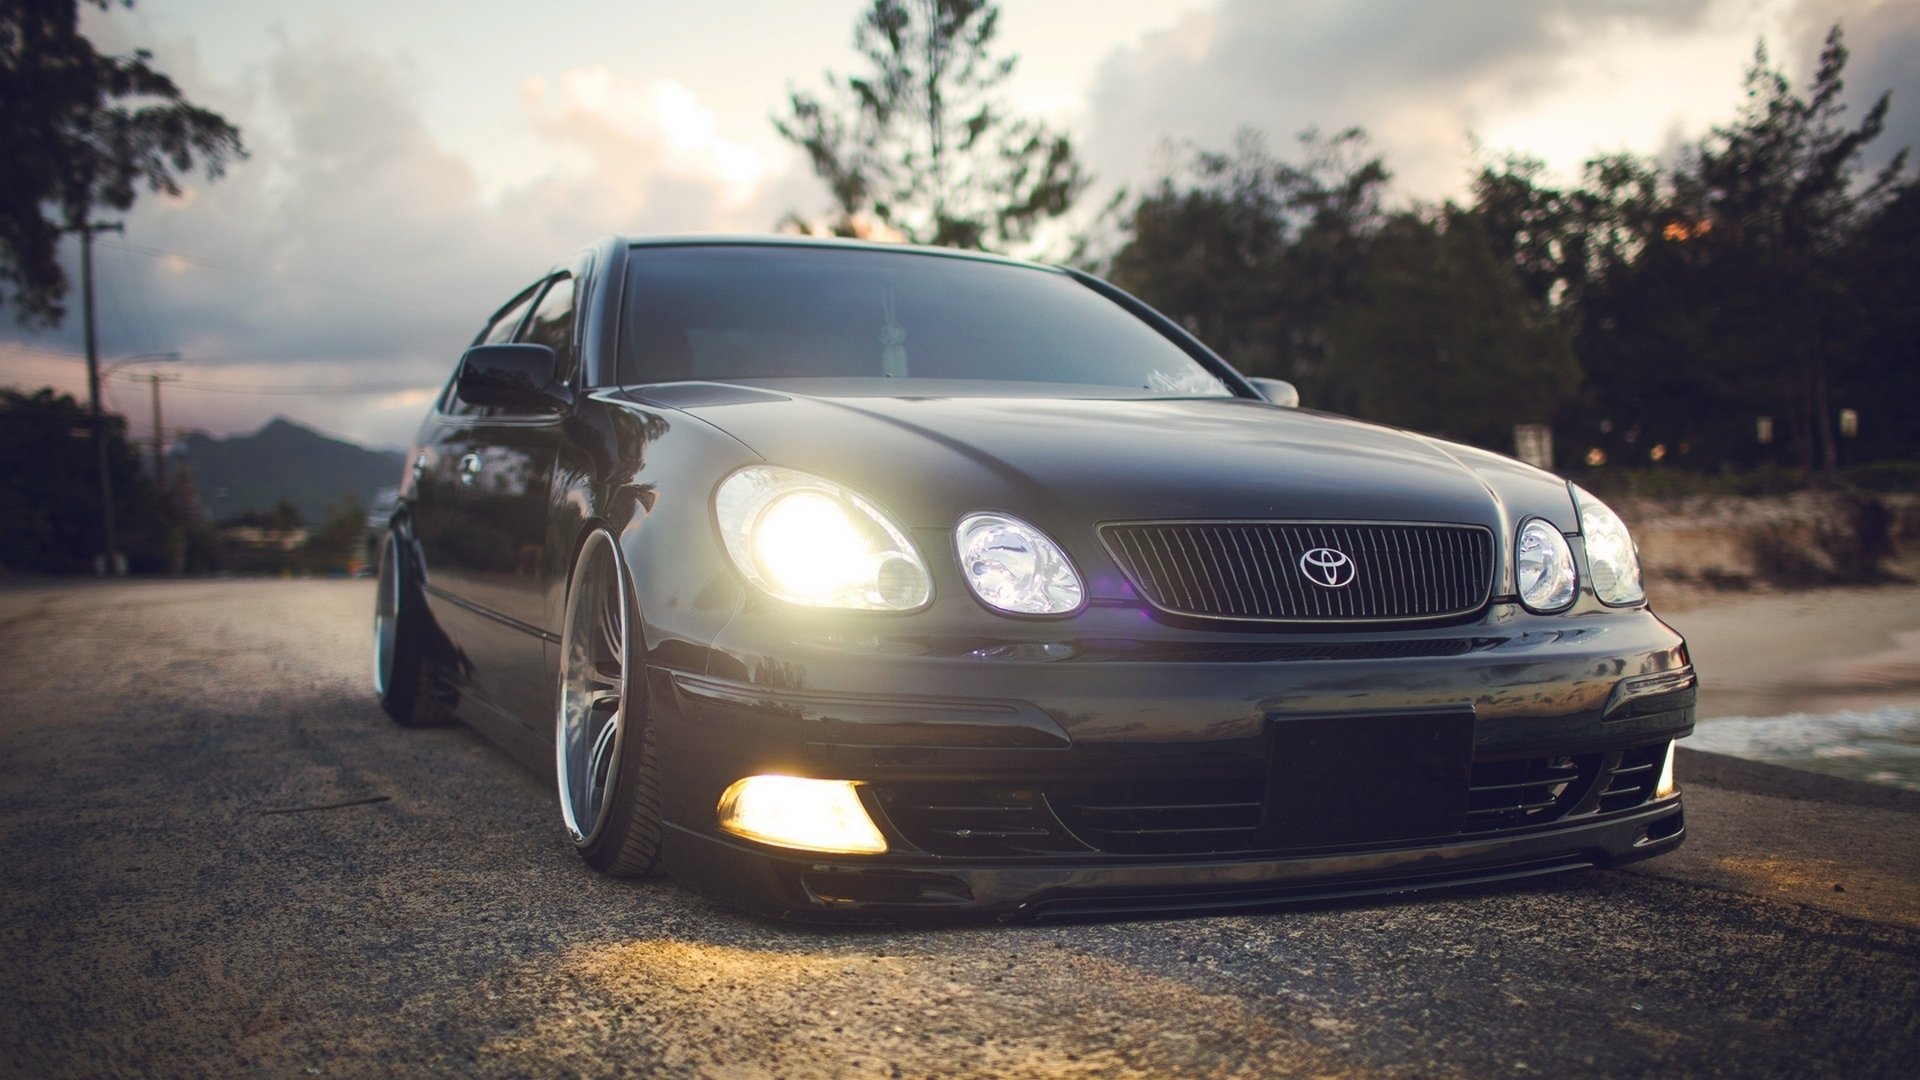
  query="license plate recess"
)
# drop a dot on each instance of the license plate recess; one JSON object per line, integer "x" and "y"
{"x": 1353, "y": 779}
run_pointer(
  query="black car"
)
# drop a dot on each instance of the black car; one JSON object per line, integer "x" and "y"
{"x": 837, "y": 578}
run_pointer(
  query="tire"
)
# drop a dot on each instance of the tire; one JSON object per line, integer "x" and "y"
{"x": 399, "y": 645}
{"x": 605, "y": 759}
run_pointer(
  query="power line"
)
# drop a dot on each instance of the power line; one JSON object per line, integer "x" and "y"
{"x": 353, "y": 390}
{"x": 242, "y": 270}
{"x": 44, "y": 350}
{"x": 63, "y": 354}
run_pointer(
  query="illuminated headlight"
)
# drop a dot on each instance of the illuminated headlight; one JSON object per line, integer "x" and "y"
{"x": 1666, "y": 785}
{"x": 1543, "y": 563}
{"x": 1012, "y": 566}
{"x": 795, "y": 812}
{"x": 810, "y": 541}
{"x": 1611, "y": 556}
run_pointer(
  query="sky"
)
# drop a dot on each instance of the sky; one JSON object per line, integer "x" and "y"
{"x": 413, "y": 165}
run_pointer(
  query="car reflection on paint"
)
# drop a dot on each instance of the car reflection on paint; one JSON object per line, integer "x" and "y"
{"x": 839, "y": 579}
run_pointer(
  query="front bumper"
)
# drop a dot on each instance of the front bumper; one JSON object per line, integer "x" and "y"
{"x": 1041, "y": 716}
{"x": 815, "y": 887}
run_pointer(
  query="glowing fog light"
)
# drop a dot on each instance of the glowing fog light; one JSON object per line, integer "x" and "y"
{"x": 796, "y": 812}
{"x": 1543, "y": 564}
{"x": 1666, "y": 785}
{"x": 1014, "y": 567}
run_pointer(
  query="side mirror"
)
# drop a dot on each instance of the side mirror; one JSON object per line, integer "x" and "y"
{"x": 1278, "y": 391}
{"x": 516, "y": 376}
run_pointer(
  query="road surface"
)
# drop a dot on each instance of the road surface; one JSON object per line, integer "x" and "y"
{"x": 221, "y": 859}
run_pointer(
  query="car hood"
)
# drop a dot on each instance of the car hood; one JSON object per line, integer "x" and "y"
{"x": 1068, "y": 462}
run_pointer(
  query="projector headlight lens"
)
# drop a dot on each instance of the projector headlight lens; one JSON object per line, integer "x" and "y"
{"x": 1543, "y": 563}
{"x": 1016, "y": 568}
{"x": 807, "y": 540}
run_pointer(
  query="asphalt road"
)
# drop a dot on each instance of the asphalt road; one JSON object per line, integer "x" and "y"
{"x": 198, "y": 881}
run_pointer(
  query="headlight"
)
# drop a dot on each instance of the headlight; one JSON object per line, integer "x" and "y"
{"x": 1611, "y": 556}
{"x": 1012, "y": 566}
{"x": 810, "y": 541}
{"x": 1544, "y": 565}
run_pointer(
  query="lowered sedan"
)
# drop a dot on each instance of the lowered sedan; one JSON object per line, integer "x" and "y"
{"x": 840, "y": 579}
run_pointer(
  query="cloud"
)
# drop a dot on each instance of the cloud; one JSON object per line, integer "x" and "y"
{"x": 353, "y": 256}
{"x": 1424, "y": 79}
{"x": 637, "y": 157}
{"x": 1883, "y": 42}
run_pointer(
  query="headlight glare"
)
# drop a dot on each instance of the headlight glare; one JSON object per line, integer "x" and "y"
{"x": 1543, "y": 564}
{"x": 1016, "y": 568}
{"x": 810, "y": 541}
{"x": 1611, "y": 555}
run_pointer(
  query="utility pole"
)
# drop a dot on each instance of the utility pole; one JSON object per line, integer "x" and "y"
{"x": 159, "y": 437}
{"x": 86, "y": 229}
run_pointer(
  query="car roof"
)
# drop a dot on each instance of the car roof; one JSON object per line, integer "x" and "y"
{"x": 791, "y": 240}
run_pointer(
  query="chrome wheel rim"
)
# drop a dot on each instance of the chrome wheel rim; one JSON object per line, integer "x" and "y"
{"x": 386, "y": 613}
{"x": 593, "y": 654}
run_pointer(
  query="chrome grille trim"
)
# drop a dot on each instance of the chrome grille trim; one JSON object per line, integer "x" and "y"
{"x": 1248, "y": 571}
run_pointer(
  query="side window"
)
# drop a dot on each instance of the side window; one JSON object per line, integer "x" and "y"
{"x": 552, "y": 325}
{"x": 498, "y": 329}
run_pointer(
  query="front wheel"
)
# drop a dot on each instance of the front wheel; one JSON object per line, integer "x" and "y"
{"x": 399, "y": 645}
{"x": 604, "y": 753}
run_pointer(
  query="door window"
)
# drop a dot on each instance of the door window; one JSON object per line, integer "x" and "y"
{"x": 500, "y": 328}
{"x": 552, "y": 325}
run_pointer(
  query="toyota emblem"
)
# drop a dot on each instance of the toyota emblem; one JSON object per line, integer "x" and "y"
{"x": 1328, "y": 567}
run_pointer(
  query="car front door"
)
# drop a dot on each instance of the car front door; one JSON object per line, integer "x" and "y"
{"x": 483, "y": 519}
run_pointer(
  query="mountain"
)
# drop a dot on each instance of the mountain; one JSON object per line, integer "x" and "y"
{"x": 285, "y": 461}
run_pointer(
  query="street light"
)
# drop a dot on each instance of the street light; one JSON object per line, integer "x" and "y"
{"x": 113, "y": 565}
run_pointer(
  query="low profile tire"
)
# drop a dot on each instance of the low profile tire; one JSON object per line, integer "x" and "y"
{"x": 399, "y": 645}
{"x": 604, "y": 752}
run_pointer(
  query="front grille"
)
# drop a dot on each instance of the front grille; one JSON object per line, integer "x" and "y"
{"x": 1513, "y": 794}
{"x": 1631, "y": 778}
{"x": 1160, "y": 817}
{"x": 1253, "y": 570}
{"x": 1277, "y": 653}
{"x": 1220, "y": 815}
{"x": 974, "y": 819}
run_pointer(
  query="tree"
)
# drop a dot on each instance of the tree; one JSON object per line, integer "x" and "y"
{"x": 1445, "y": 337}
{"x": 1778, "y": 193}
{"x": 49, "y": 519}
{"x": 79, "y": 130}
{"x": 1253, "y": 253}
{"x": 1436, "y": 320}
{"x": 1880, "y": 332}
{"x": 340, "y": 540}
{"x": 1733, "y": 280}
{"x": 923, "y": 144}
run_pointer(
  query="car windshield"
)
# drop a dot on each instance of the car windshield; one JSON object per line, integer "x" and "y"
{"x": 733, "y": 312}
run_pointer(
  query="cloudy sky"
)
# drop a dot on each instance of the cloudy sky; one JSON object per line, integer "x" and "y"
{"x": 415, "y": 164}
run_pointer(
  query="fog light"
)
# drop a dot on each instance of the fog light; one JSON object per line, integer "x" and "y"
{"x": 1666, "y": 786}
{"x": 795, "y": 812}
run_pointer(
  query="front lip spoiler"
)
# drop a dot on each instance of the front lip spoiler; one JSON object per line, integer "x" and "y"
{"x": 796, "y": 886}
